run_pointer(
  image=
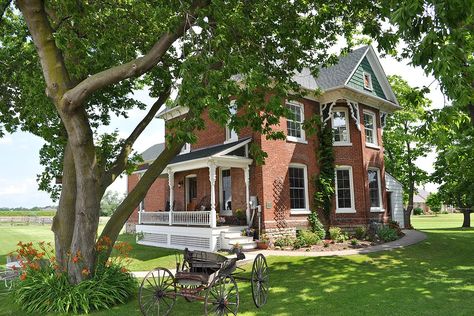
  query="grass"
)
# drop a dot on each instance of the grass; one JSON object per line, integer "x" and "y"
{"x": 27, "y": 213}
{"x": 435, "y": 277}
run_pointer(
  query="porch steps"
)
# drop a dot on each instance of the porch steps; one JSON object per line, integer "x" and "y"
{"x": 230, "y": 238}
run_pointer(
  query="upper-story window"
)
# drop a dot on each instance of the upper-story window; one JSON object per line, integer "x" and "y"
{"x": 367, "y": 80}
{"x": 231, "y": 134}
{"x": 340, "y": 126}
{"x": 370, "y": 127}
{"x": 185, "y": 149}
{"x": 294, "y": 125}
{"x": 375, "y": 191}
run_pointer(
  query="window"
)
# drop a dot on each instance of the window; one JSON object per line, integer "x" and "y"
{"x": 340, "y": 126}
{"x": 230, "y": 134}
{"x": 375, "y": 192}
{"x": 226, "y": 192}
{"x": 297, "y": 175}
{"x": 344, "y": 190}
{"x": 294, "y": 125}
{"x": 370, "y": 127}
{"x": 367, "y": 80}
{"x": 186, "y": 149}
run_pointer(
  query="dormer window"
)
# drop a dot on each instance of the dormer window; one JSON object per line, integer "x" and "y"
{"x": 231, "y": 134}
{"x": 367, "y": 81}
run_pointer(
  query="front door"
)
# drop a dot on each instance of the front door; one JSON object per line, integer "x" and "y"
{"x": 226, "y": 192}
{"x": 191, "y": 192}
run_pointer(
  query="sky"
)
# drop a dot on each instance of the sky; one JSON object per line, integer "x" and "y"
{"x": 19, "y": 152}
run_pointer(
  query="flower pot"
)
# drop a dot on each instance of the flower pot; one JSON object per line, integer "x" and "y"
{"x": 262, "y": 245}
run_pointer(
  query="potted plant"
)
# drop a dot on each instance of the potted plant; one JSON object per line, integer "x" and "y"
{"x": 263, "y": 242}
{"x": 237, "y": 248}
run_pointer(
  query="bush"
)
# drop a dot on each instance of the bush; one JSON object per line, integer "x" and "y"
{"x": 337, "y": 235}
{"x": 354, "y": 242}
{"x": 44, "y": 287}
{"x": 360, "y": 232}
{"x": 386, "y": 233}
{"x": 285, "y": 241}
{"x": 395, "y": 226}
{"x": 417, "y": 211}
{"x": 316, "y": 225}
{"x": 307, "y": 238}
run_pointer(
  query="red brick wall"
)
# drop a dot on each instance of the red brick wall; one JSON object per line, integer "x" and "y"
{"x": 132, "y": 181}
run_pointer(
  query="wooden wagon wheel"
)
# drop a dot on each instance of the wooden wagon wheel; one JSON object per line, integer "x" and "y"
{"x": 260, "y": 280}
{"x": 222, "y": 296}
{"x": 157, "y": 293}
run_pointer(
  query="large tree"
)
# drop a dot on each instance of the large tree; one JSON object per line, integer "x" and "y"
{"x": 452, "y": 134}
{"x": 404, "y": 141}
{"x": 67, "y": 66}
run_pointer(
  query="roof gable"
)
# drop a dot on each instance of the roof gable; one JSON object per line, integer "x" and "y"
{"x": 357, "y": 79}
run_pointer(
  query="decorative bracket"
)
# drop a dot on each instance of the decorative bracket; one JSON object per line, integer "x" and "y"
{"x": 383, "y": 119}
{"x": 354, "y": 106}
{"x": 326, "y": 111}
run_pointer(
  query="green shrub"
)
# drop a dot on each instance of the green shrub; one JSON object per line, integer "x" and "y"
{"x": 417, "y": 211}
{"x": 444, "y": 212}
{"x": 43, "y": 287}
{"x": 395, "y": 226}
{"x": 386, "y": 233}
{"x": 284, "y": 241}
{"x": 354, "y": 242}
{"x": 307, "y": 238}
{"x": 337, "y": 235}
{"x": 316, "y": 225}
{"x": 360, "y": 232}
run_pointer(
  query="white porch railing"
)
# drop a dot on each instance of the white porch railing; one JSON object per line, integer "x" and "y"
{"x": 155, "y": 217}
{"x": 197, "y": 218}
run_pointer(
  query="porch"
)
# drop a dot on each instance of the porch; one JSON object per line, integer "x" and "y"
{"x": 205, "y": 191}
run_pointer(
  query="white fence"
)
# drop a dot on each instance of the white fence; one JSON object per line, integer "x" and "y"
{"x": 199, "y": 218}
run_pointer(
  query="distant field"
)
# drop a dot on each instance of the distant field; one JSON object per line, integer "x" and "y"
{"x": 27, "y": 213}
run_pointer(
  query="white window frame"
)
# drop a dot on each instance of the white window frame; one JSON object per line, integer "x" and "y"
{"x": 380, "y": 207}
{"x": 185, "y": 149}
{"x": 305, "y": 210}
{"x": 375, "y": 144}
{"x": 222, "y": 210}
{"x": 370, "y": 87}
{"x": 230, "y": 134}
{"x": 290, "y": 138}
{"x": 351, "y": 184}
{"x": 346, "y": 111}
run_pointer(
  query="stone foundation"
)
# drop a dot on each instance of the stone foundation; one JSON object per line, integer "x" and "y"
{"x": 274, "y": 233}
{"x": 130, "y": 228}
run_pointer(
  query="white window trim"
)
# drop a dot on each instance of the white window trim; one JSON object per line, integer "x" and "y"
{"x": 351, "y": 183}
{"x": 229, "y": 138}
{"x": 185, "y": 149}
{"x": 375, "y": 144}
{"x": 371, "y": 86}
{"x": 221, "y": 196}
{"x": 379, "y": 208}
{"x": 301, "y": 139}
{"x": 346, "y": 111}
{"x": 296, "y": 211}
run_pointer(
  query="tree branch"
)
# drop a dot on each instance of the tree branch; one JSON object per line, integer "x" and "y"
{"x": 52, "y": 60}
{"x": 121, "y": 162}
{"x": 76, "y": 96}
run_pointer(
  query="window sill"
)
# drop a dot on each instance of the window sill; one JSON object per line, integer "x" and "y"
{"x": 296, "y": 140}
{"x": 345, "y": 211}
{"x": 300, "y": 212}
{"x": 377, "y": 210}
{"x": 373, "y": 146}
{"x": 342, "y": 144}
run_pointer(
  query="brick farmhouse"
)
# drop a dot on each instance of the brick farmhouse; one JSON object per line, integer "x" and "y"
{"x": 209, "y": 192}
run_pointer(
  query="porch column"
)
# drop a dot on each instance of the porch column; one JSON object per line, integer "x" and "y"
{"x": 171, "y": 186}
{"x": 247, "y": 193}
{"x": 212, "y": 180}
{"x": 140, "y": 211}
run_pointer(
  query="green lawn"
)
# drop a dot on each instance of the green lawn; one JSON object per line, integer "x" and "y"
{"x": 435, "y": 277}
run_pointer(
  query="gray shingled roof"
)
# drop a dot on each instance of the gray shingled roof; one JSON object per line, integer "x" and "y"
{"x": 337, "y": 75}
{"x": 154, "y": 151}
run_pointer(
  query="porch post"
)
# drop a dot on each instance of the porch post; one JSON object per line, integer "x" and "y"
{"x": 171, "y": 186}
{"x": 212, "y": 180}
{"x": 140, "y": 211}
{"x": 247, "y": 193}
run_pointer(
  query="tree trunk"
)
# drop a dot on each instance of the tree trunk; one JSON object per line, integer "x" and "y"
{"x": 409, "y": 209}
{"x": 63, "y": 222}
{"x": 467, "y": 218}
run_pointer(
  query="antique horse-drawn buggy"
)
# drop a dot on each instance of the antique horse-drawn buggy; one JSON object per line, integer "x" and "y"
{"x": 203, "y": 276}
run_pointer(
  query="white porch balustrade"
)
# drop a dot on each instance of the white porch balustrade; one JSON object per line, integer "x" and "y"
{"x": 154, "y": 217}
{"x": 201, "y": 218}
